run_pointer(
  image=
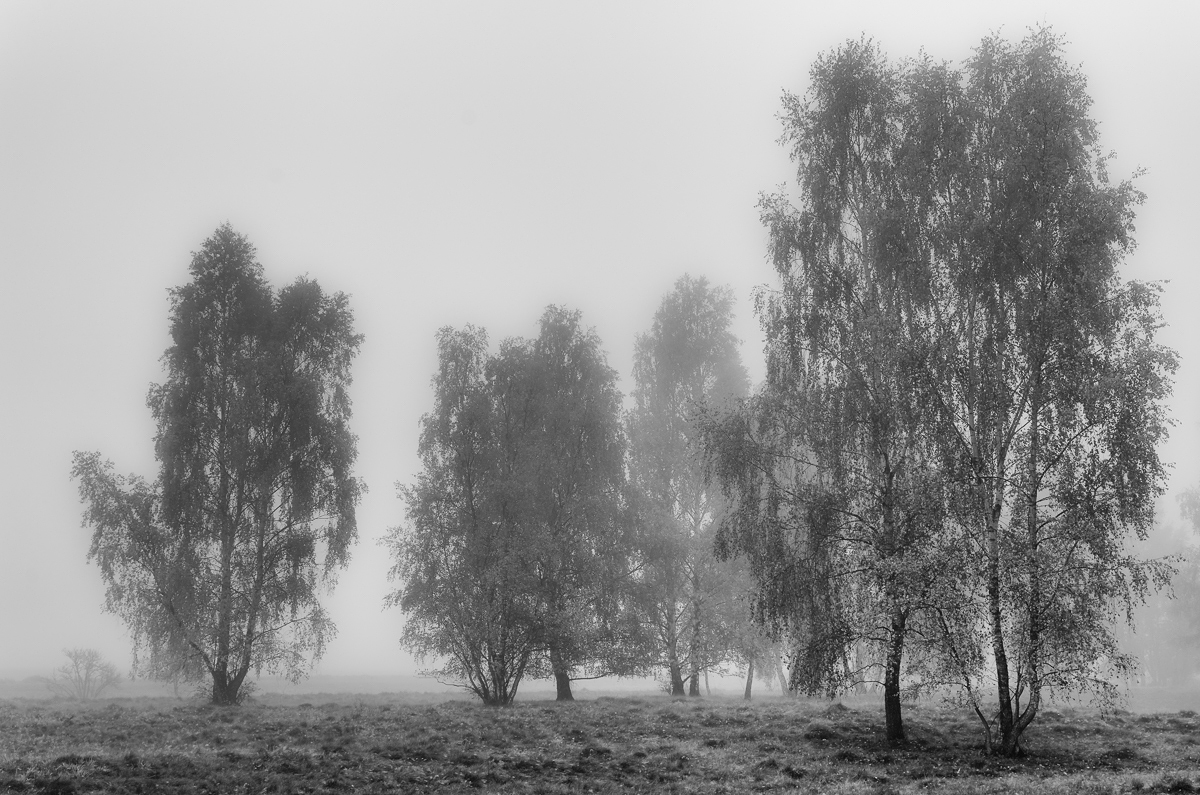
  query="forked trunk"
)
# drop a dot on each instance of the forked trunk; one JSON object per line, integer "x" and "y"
{"x": 677, "y": 688}
{"x": 226, "y": 690}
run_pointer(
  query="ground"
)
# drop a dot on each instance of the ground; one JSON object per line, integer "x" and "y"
{"x": 397, "y": 743}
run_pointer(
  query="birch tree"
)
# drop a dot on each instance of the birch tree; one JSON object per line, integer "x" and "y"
{"x": 687, "y": 363}
{"x": 217, "y": 565}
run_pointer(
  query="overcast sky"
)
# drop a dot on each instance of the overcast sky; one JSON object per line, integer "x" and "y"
{"x": 442, "y": 163}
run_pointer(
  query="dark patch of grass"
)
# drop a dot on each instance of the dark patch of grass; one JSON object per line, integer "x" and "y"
{"x": 1173, "y": 783}
{"x": 819, "y": 731}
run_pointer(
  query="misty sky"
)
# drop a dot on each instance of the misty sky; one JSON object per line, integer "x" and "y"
{"x": 443, "y": 164}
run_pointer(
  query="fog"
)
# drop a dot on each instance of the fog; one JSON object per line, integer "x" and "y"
{"x": 443, "y": 164}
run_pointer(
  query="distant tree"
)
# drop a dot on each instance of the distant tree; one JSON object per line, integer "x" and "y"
{"x": 686, "y": 364}
{"x": 515, "y": 553}
{"x": 85, "y": 676}
{"x": 216, "y": 566}
{"x": 465, "y": 589}
{"x": 1166, "y": 642}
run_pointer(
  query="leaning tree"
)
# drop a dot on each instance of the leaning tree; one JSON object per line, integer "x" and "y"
{"x": 216, "y": 566}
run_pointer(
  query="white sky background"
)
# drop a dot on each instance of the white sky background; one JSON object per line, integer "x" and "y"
{"x": 443, "y": 164}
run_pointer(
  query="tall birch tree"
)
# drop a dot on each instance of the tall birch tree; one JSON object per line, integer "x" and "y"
{"x": 216, "y": 566}
{"x": 964, "y": 399}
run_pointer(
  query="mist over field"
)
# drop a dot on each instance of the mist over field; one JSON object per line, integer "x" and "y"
{"x": 463, "y": 164}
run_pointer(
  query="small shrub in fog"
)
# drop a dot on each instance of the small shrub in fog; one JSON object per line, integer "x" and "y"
{"x": 84, "y": 677}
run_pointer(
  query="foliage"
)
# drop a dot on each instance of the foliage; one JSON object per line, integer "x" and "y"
{"x": 217, "y": 565}
{"x": 686, "y": 364}
{"x": 84, "y": 677}
{"x": 514, "y": 556}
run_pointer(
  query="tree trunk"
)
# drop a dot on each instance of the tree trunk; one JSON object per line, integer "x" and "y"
{"x": 562, "y": 684}
{"x": 749, "y": 678}
{"x": 562, "y": 678}
{"x": 891, "y": 680}
{"x": 1003, "y": 692}
{"x": 227, "y": 689}
{"x": 674, "y": 668}
{"x": 785, "y": 685}
{"x": 694, "y": 686}
{"x": 1011, "y": 745}
{"x": 224, "y": 691}
{"x": 677, "y": 688}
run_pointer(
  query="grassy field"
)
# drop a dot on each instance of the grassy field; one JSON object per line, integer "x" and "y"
{"x": 402, "y": 743}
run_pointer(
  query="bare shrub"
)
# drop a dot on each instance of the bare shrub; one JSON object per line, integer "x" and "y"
{"x": 84, "y": 677}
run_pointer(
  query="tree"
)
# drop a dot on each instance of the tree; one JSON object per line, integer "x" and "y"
{"x": 963, "y": 400}
{"x": 516, "y": 552}
{"x": 85, "y": 676}
{"x": 564, "y": 458}
{"x": 216, "y": 567}
{"x": 467, "y": 594}
{"x": 837, "y": 441}
{"x": 1047, "y": 378}
{"x": 688, "y": 362}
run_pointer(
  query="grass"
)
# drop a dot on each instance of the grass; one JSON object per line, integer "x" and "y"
{"x": 609, "y": 745}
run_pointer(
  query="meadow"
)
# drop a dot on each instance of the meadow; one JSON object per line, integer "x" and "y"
{"x": 651, "y": 744}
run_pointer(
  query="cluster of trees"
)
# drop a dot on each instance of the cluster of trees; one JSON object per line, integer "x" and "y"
{"x": 527, "y": 552}
{"x": 956, "y": 440}
{"x": 551, "y": 534}
{"x": 935, "y": 487}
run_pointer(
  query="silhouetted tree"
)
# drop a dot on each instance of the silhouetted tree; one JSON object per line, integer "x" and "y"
{"x": 216, "y": 567}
